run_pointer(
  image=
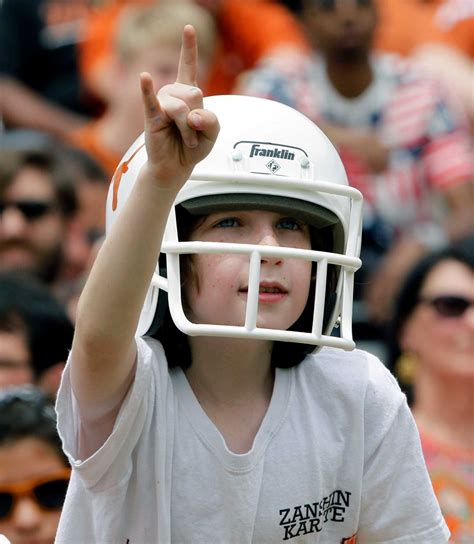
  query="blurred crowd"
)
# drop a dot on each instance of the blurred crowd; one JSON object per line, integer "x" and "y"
{"x": 391, "y": 84}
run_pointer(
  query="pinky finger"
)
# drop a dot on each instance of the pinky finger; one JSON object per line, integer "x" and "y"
{"x": 152, "y": 110}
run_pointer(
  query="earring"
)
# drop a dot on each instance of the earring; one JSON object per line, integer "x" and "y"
{"x": 406, "y": 367}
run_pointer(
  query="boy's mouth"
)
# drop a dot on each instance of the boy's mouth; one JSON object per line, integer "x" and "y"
{"x": 267, "y": 287}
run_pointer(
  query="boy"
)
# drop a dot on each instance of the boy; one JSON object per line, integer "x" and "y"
{"x": 233, "y": 433}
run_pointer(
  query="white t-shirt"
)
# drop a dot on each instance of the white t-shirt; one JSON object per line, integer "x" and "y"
{"x": 337, "y": 454}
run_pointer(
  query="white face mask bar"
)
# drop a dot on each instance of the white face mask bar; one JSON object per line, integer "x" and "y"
{"x": 250, "y": 329}
{"x": 348, "y": 262}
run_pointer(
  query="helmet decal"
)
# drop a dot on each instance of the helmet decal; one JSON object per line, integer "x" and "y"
{"x": 270, "y": 157}
{"x": 117, "y": 177}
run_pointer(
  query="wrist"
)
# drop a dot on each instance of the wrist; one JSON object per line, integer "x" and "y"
{"x": 168, "y": 183}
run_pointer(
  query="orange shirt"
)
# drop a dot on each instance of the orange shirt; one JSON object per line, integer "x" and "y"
{"x": 461, "y": 36}
{"x": 406, "y": 24}
{"x": 87, "y": 138}
{"x": 452, "y": 475}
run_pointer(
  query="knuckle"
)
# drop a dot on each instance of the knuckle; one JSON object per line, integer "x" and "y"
{"x": 181, "y": 109}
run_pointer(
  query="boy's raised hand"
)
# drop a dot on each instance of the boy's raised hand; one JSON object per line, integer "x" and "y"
{"x": 178, "y": 131}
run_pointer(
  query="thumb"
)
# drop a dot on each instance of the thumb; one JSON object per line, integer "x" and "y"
{"x": 205, "y": 123}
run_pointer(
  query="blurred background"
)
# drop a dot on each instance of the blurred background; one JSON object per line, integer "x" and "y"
{"x": 390, "y": 82}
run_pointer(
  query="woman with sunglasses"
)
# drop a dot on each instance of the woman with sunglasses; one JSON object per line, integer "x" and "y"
{"x": 34, "y": 473}
{"x": 433, "y": 332}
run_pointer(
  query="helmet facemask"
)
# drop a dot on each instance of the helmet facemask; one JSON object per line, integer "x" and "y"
{"x": 285, "y": 354}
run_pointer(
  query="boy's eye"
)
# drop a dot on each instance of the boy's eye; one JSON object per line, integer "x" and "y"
{"x": 289, "y": 224}
{"x": 227, "y": 222}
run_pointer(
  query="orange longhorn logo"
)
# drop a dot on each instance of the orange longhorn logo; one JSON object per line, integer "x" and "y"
{"x": 117, "y": 177}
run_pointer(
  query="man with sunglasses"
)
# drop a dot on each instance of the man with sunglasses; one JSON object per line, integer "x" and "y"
{"x": 404, "y": 144}
{"x": 37, "y": 210}
{"x": 34, "y": 473}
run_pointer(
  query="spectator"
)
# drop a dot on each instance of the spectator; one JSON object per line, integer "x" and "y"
{"x": 148, "y": 38}
{"x": 433, "y": 354}
{"x": 39, "y": 230}
{"x": 403, "y": 144}
{"x": 39, "y": 81}
{"x": 36, "y": 334}
{"x": 34, "y": 473}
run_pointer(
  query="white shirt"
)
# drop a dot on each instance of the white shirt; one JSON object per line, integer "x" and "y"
{"x": 337, "y": 454}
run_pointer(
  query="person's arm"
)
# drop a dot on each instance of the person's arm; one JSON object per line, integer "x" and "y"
{"x": 453, "y": 68}
{"x": 21, "y": 51}
{"x": 21, "y": 107}
{"x": 460, "y": 202}
{"x": 364, "y": 143}
{"x": 178, "y": 134}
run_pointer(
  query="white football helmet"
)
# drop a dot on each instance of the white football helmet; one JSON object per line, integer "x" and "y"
{"x": 267, "y": 156}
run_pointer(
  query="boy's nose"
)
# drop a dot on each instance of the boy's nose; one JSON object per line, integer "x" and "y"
{"x": 269, "y": 238}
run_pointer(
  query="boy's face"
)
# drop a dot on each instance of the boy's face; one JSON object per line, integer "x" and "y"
{"x": 21, "y": 462}
{"x": 217, "y": 289}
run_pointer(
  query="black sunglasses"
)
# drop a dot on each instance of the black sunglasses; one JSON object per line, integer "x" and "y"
{"x": 30, "y": 209}
{"x": 49, "y": 492}
{"x": 449, "y": 305}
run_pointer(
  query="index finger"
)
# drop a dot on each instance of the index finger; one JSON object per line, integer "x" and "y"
{"x": 188, "y": 58}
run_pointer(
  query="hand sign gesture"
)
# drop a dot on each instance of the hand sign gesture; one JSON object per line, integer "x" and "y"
{"x": 178, "y": 131}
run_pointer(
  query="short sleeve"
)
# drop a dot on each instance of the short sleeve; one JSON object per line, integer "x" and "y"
{"x": 398, "y": 502}
{"x": 112, "y": 461}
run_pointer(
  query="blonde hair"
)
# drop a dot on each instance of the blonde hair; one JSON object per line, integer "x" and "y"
{"x": 143, "y": 27}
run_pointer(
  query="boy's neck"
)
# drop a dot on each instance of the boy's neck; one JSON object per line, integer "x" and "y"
{"x": 230, "y": 371}
{"x": 233, "y": 382}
